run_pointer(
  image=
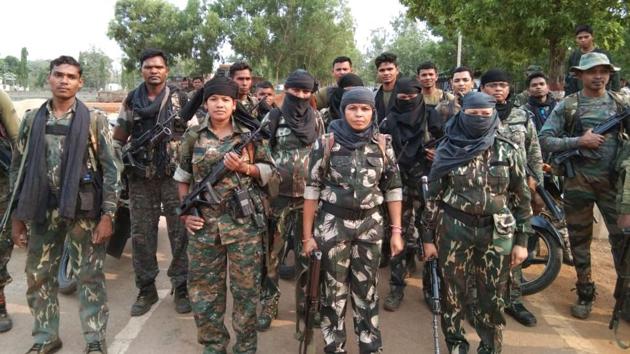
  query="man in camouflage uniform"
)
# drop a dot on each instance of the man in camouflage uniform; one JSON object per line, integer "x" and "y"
{"x": 521, "y": 99}
{"x": 295, "y": 127}
{"x": 517, "y": 126}
{"x": 427, "y": 75}
{"x": 352, "y": 171}
{"x": 152, "y": 191}
{"x": 55, "y": 174}
{"x": 386, "y": 73}
{"x": 478, "y": 208}
{"x": 8, "y": 138}
{"x": 341, "y": 65}
{"x": 241, "y": 73}
{"x": 222, "y": 239}
{"x": 462, "y": 83}
{"x": 569, "y": 127}
{"x": 411, "y": 125}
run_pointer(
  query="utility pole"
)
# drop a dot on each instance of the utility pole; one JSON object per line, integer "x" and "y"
{"x": 459, "y": 48}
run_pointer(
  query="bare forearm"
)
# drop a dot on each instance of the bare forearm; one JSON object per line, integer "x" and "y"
{"x": 182, "y": 190}
{"x": 395, "y": 212}
{"x": 309, "y": 215}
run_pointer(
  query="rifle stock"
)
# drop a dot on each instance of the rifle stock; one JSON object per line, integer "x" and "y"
{"x": 311, "y": 301}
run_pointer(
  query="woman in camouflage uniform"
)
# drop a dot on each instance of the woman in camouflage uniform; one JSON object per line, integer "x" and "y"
{"x": 222, "y": 233}
{"x": 352, "y": 171}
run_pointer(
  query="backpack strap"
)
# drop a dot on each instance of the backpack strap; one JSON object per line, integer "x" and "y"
{"x": 328, "y": 140}
{"x": 381, "y": 140}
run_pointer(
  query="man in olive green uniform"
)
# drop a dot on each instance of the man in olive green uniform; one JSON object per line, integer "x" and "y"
{"x": 152, "y": 191}
{"x": 67, "y": 181}
{"x": 462, "y": 83}
{"x": 224, "y": 241}
{"x": 241, "y": 73}
{"x": 517, "y": 125}
{"x": 8, "y": 138}
{"x": 341, "y": 66}
{"x": 478, "y": 208}
{"x": 427, "y": 75}
{"x": 295, "y": 127}
{"x": 569, "y": 127}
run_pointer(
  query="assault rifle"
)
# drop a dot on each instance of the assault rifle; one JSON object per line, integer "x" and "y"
{"x": 5, "y": 158}
{"x": 150, "y": 137}
{"x": 204, "y": 194}
{"x": 564, "y": 158}
{"x": 311, "y": 302}
{"x": 433, "y": 278}
{"x": 622, "y": 289}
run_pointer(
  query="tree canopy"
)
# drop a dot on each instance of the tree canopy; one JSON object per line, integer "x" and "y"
{"x": 97, "y": 68}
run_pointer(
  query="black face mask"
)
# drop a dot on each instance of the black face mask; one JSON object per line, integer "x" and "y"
{"x": 475, "y": 126}
{"x": 404, "y": 106}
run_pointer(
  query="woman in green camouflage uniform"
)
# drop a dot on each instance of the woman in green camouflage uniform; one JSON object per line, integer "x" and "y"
{"x": 352, "y": 171}
{"x": 478, "y": 206}
{"x": 222, "y": 233}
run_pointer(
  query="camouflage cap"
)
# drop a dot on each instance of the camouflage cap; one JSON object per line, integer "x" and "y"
{"x": 533, "y": 69}
{"x": 591, "y": 60}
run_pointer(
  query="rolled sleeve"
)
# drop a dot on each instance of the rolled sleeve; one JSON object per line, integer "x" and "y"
{"x": 394, "y": 195}
{"x": 182, "y": 176}
{"x": 312, "y": 193}
{"x": 265, "y": 171}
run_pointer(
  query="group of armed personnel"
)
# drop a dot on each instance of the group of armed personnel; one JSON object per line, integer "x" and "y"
{"x": 349, "y": 175}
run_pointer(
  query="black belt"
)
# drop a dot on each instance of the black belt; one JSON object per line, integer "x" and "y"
{"x": 348, "y": 214}
{"x": 466, "y": 218}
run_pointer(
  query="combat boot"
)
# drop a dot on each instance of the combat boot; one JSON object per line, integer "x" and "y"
{"x": 146, "y": 298}
{"x": 394, "y": 299}
{"x": 45, "y": 348}
{"x": 5, "y": 320}
{"x": 96, "y": 348}
{"x": 586, "y": 296}
{"x": 521, "y": 314}
{"x": 182, "y": 302}
{"x": 268, "y": 314}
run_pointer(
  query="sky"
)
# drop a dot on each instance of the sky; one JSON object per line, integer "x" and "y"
{"x": 40, "y": 25}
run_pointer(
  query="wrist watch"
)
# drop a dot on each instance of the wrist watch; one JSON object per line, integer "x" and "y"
{"x": 111, "y": 214}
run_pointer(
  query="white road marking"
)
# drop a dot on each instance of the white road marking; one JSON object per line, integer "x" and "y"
{"x": 128, "y": 334}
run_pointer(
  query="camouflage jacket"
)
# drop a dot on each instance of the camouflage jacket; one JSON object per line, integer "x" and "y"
{"x": 250, "y": 103}
{"x": 291, "y": 158}
{"x": 519, "y": 128}
{"x": 585, "y": 112}
{"x": 358, "y": 179}
{"x": 131, "y": 124}
{"x": 491, "y": 183}
{"x": 199, "y": 151}
{"x": 437, "y": 97}
{"x": 100, "y": 153}
{"x": 521, "y": 99}
{"x": 8, "y": 119}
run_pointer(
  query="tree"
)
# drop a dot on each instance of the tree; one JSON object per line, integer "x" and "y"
{"x": 22, "y": 70}
{"x": 97, "y": 68}
{"x": 11, "y": 64}
{"x": 192, "y": 33}
{"x": 279, "y": 36}
{"x": 520, "y": 30}
{"x": 38, "y": 73}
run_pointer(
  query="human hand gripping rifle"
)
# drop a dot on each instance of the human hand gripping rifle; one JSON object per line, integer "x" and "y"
{"x": 433, "y": 278}
{"x": 310, "y": 307}
{"x": 564, "y": 158}
{"x": 203, "y": 194}
{"x": 622, "y": 289}
{"x": 147, "y": 140}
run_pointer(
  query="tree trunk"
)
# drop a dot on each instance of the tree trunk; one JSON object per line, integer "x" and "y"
{"x": 557, "y": 54}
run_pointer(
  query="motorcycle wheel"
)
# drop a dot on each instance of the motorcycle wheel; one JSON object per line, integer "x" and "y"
{"x": 287, "y": 269}
{"x": 543, "y": 262}
{"x": 65, "y": 276}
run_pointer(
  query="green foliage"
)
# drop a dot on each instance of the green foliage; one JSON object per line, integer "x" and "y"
{"x": 11, "y": 64}
{"x": 38, "y": 73}
{"x": 194, "y": 32}
{"x": 97, "y": 68}
{"x": 279, "y": 36}
{"x": 518, "y": 31}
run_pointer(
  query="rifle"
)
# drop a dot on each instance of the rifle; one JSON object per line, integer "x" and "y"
{"x": 622, "y": 289}
{"x": 564, "y": 158}
{"x": 550, "y": 203}
{"x": 5, "y": 158}
{"x": 150, "y": 137}
{"x": 433, "y": 277}
{"x": 311, "y": 301}
{"x": 435, "y": 142}
{"x": 204, "y": 194}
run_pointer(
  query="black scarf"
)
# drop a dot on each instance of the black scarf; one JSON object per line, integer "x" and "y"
{"x": 466, "y": 137}
{"x": 348, "y": 137}
{"x": 34, "y": 189}
{"x": 300, "y": 118}
{"x": 535, "y": 105}
{"x": 382, "y": 109}
{"x": 348, "y": 80}
{"x": 406, "y": 123}
{"x": 504, "y": 109}
{"x": 140, "y": 102}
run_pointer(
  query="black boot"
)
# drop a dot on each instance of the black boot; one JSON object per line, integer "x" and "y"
{"x": 521, "y": 314}
{"x": 5, "y": 320}
{"x": 182, "y": 302}
{"x": 586, "y": 296}
{"x": 146, "y": 298}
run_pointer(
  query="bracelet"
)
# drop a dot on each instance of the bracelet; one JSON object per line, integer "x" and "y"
{"x": 396, "y": 227}
{"x": 308, "y": 239}
{"x": 247, "y": 170}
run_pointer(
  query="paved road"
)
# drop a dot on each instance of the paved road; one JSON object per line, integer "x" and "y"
{"x": 405, "y": 331}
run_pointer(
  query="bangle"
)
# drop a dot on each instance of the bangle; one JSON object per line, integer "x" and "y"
{"x": 308, "y": 239}
{"x": 247, "y": 170}
{"x": 396, "y": 227}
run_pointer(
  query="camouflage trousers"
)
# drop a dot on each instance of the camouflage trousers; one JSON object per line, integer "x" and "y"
{"x": 580, "y": 194}
{"x": 466, "y": 252}
{"x": 45, "y": 247}
{"x": 207, "y": 278}
{"x": 287, "y": 213}
{"x": 148, "y": 199}
{"x": 6, "y": 244}
{"x": 350, "y": 267}
{"x": 411, "y": 212}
